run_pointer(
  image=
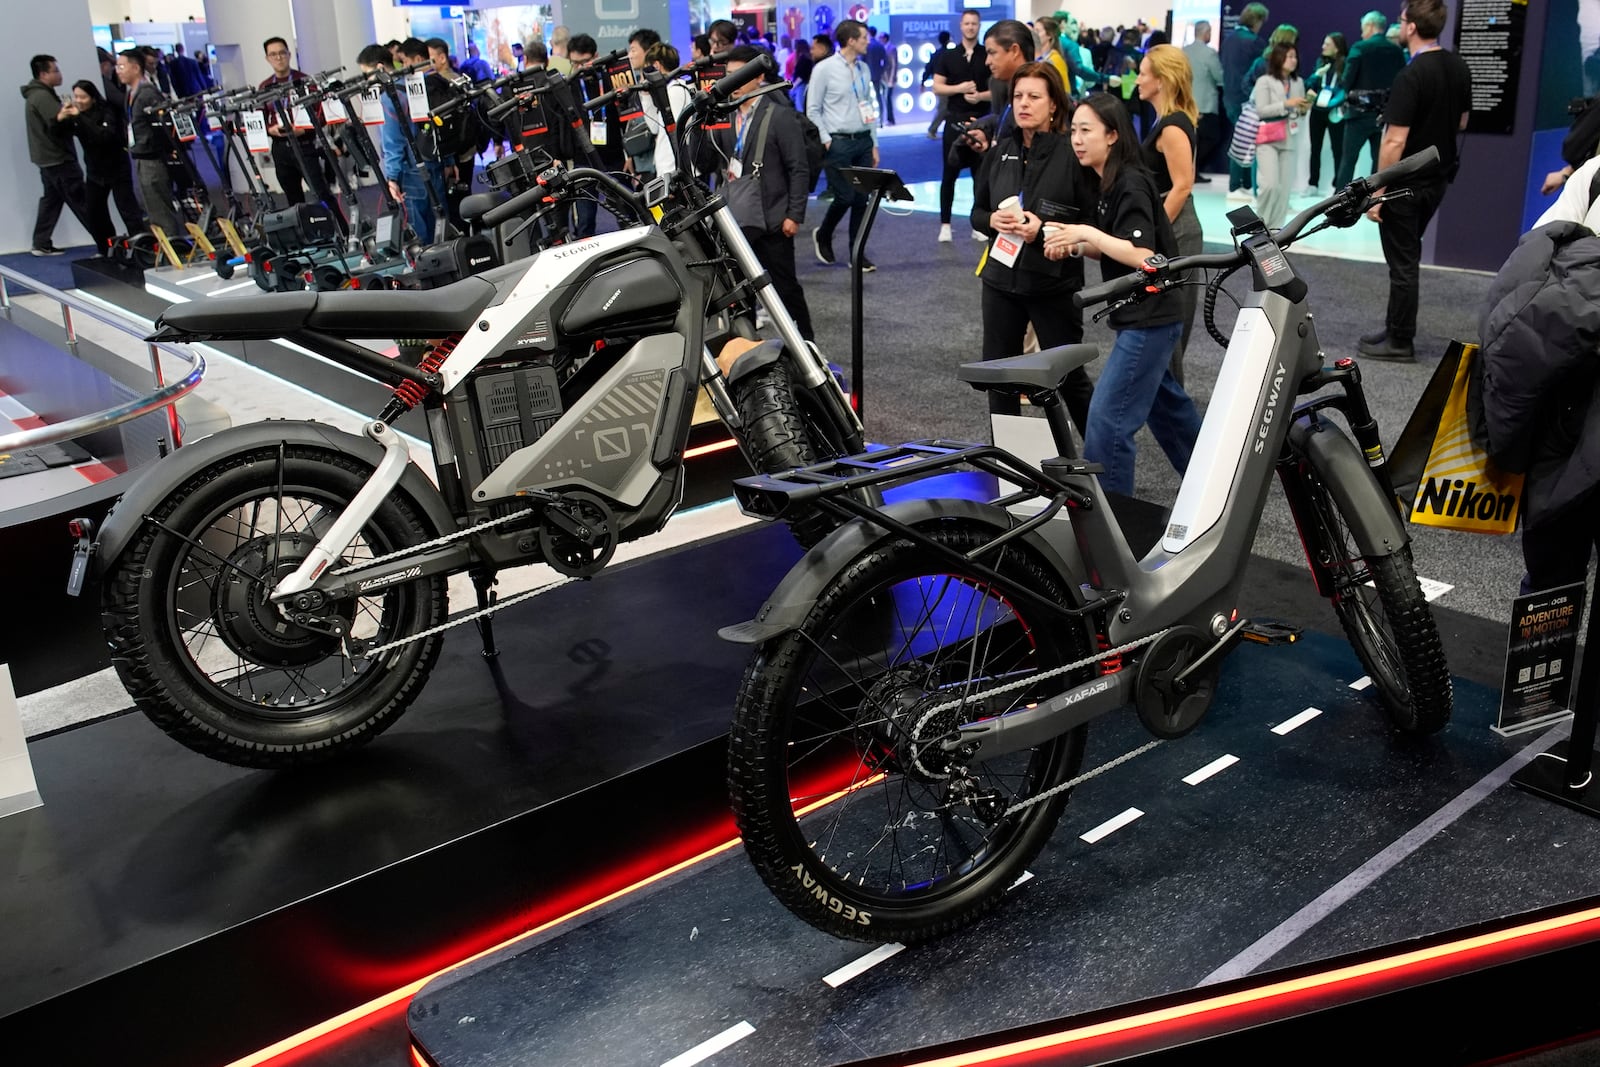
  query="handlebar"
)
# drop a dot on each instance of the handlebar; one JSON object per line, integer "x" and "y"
{"x": 1352, "y": 198}
{"x": 548, "y": 183}
{"x": 724, "y": 87}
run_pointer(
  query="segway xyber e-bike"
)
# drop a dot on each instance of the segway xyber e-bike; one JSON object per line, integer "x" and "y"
{"x": 914, "y": 714}
{"x": 275, "y": 593}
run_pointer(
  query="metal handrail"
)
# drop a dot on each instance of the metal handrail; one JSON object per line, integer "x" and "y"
{"x": 165, "y": 395}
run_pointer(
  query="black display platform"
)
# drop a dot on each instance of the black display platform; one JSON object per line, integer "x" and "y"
{"x": 166, "y": 909}
{"x": 1333, "y": 838}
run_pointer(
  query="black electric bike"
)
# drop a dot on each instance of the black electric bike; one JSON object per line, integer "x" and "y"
{"x": 914, "y": 714}
{"x": 275, "y": 593}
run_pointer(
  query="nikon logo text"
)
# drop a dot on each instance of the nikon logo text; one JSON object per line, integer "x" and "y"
{"x": 1459, "y": 499}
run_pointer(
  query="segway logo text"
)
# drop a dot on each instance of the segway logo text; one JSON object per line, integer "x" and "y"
{"x": 1272, "y": 406}
{"x": 829, "y": 901}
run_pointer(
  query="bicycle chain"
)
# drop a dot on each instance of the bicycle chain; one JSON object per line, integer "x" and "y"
{"x": 1022, "y": 683}
{"x": 435, "y": 543}
{"x": 471, "y": 616}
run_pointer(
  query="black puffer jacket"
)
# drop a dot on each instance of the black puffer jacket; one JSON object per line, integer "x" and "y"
{"x": 1532, "y": 400}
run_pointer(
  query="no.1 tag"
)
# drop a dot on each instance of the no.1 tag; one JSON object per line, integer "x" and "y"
{"x": 300, "y": 117}
{"x": 1007, "y": 247}
{"x": 372, "y": 106}
{"x": 333, "y": 112}
{"x": 255, "y": 132}
{"x": 417, "y": 96}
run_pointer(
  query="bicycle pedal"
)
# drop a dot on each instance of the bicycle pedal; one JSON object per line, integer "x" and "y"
{"x": 1265, "y": 632}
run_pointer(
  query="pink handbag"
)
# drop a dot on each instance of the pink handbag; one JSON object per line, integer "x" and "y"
{"x": 1272, "y": 130}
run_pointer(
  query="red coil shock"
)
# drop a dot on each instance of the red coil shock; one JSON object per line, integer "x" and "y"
{"x": 411, "y": 393}
{"x": 1111, "y": 664}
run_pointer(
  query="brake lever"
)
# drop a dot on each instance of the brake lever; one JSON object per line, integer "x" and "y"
{"x": 1391, "y": 194}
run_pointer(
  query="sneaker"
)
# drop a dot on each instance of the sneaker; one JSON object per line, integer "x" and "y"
{"x": 1201, "y": 179}
{"x": 944, "y": 233}
{"x": 979, "y": 235}
{"x": 1389, "y": 349}
{"x": 1240, "y": 194}
{"x": 824, "y": 251}
{"x": 1373, "y": 340}
{"x": 48, "y": 250}
{"x": 867, "y": 266}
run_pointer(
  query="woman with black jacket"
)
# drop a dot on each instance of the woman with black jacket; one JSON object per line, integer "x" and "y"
{"x": 1030, "y": 179}
{"x": 105, "y": 157}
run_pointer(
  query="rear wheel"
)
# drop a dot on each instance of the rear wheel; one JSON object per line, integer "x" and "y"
{"x": 216, "y": 666}
{"x": 1387, "y": 621}
{"x": 781, "y": 438}
{"x": 851, "y": 811}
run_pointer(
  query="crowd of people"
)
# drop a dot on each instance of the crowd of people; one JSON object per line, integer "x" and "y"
{"x": 1081, "y": 144}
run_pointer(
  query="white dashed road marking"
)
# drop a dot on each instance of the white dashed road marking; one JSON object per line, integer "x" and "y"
{"x": 706, "y": 1049}
{"x": 1025, "y": 876}
{"x": 1296, "y": 722}
{"x": 1361, "y": 682}
{"x": 1216, "y": 766}
{"x": 1111, "y": 826}
{"x": 862, "y": 965}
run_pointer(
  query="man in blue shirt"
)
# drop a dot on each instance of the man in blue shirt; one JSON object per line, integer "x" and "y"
{"x": 844, "y": 105}
{"x": 1240, "y": 49}
{"x": 406, "y": 182}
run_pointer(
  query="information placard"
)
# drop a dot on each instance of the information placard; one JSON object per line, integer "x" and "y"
{"x": 372, "y": 106}
{"x": 417, "y": 95}
{"x": 1489, "y": 38}
{"x": 255, "y": 132}
{"x": 1540, "y": 649}
{"x": 183, "y": 126}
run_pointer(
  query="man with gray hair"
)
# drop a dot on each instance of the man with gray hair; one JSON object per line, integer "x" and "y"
{"x": 1373, "y": 64}
{"x": 558, "y": 61}
{"x": 1207, "y": 68}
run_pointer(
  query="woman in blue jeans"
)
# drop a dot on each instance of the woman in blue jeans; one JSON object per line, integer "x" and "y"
{"x": 1136, "y": 384}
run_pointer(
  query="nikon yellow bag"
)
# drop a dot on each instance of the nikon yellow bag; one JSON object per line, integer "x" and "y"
{"x": 1457, "y": 486}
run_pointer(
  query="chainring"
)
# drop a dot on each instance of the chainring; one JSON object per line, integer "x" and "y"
{"x": 1167, "y": 709}
{"x": 580, "y": 538}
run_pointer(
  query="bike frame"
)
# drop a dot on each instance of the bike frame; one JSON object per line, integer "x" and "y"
{"x": 1189, "y": 580}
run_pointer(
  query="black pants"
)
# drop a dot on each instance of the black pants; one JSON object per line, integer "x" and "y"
{"x": 845, "y": 150}
{"x": 1056, "y": 321}
{"x": 1208, "y": 135}
{"x": 1400, "y": 229}
{"x": 1335, "y": 132}
{"x": 294, "y": 179}
{"x": 63, "y": 184}
{"x": 776, "y": 254}
{"x": 965, "y": 160}
{"x": 1361, "y": 130}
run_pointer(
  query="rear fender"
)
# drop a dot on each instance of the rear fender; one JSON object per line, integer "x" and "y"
{"x": 156, "y": 484}
{"x": 797, "y": 593}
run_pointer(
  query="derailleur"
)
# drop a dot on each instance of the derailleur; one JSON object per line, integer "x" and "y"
{"x": 988, "y": 805}
{"x": 577, "y": 534}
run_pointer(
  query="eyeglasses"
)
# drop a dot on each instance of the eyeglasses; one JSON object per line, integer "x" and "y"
{"x": 277, "y": 55}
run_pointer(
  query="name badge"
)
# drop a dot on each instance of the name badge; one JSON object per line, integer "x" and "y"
{"x": 735, "y": 169}
{"x": 597, "y": 133}
{"x": 1007, "y": 247}
{"x": 869, "y": 111}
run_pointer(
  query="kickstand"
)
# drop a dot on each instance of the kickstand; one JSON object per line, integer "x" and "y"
{"x": 483, "y": 581}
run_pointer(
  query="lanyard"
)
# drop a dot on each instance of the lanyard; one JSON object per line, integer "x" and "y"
{"x": 1421, "y": 52}
{"x": 743, "y": 126}
{"x": 857, "y": 77}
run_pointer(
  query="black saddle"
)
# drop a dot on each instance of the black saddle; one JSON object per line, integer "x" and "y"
{"x": 1030, "y": 373}
{"x": 346, "y": 313}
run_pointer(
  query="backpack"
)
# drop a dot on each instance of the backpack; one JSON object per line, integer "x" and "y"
{"x": 815, "y": 153}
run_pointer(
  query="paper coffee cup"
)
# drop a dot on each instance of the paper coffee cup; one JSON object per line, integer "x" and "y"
{"x": 1008, "y": 203}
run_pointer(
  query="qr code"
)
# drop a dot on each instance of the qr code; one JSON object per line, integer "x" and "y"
{"x": 1524, "y": 675}
{"x": 1555, "y": 666}
{"x": 1539, "y": 671}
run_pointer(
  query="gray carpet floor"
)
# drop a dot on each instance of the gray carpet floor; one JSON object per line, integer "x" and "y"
{"x": 922, "y": 320}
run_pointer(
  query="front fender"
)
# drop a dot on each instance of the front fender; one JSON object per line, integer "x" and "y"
{"x": 1369, "y": 511}
{"x": 797, "y": 593}
{"x": 127, "y": 514}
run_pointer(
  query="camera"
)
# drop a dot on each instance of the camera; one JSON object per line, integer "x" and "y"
{"x": 964, "y": 139}
{"x": 1367, "y": 99}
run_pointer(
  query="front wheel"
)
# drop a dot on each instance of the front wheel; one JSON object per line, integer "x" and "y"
{"x": 780, "y": 438}
{"x": 219, "y": 668}
{"x": 852, "y": 813}
{"x": 1387, "y": 621}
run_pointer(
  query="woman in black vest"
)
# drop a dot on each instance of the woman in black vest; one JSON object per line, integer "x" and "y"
{"x": 100, "y": 129}
{"x": 1029, "y": 180}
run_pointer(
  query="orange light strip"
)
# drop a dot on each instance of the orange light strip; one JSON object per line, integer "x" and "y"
{"x": 715, "y": 446}
{"x": 362, "y": 1012}
{"x": 1357, "y": 974}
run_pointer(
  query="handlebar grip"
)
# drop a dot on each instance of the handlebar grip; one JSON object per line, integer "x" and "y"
{"x": 1427, "y": 159}
{"x": 756, "y": 68}
{"x": 513, "y": 207}
{"x": 1111, "y": 290}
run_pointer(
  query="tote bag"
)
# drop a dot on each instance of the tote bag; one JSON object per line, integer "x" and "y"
{"x": 1445, "y": 477}
{"x": 1242, "y": 148}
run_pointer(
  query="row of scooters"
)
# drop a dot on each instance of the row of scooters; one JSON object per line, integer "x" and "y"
{"x": 343, "y": 245}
